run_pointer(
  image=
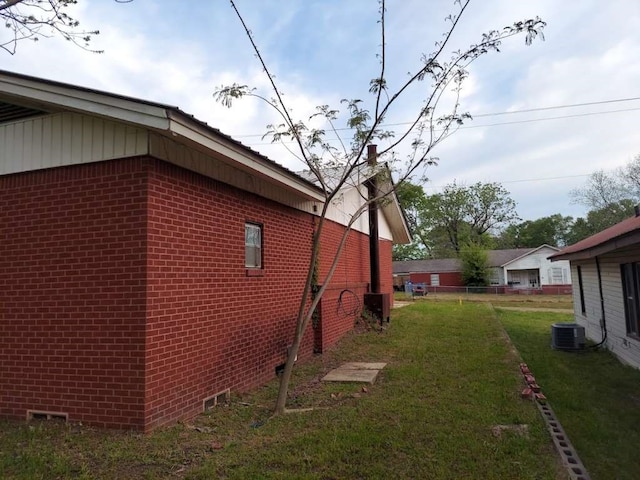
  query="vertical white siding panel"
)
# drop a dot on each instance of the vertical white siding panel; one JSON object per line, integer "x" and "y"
{"x": 27, "y": 145}
{"x": 130, "y": 141}
{"x": 87, "y": 139}
{"x": 5, "y": 161}
{"x": 626, "y": 348}
{"x": 65, "y": 139}
{"x": 9, "y": 145}
{"x": 56, "y": 141}
{"x": 73, "y": 128}
{"x": 97, "y": 142}
{"x": 142, "y": 142}
{"x": 119, "y": 142}
{"x": 109, "y": 148}
{"x": 47, "y": 138}
{"x": 37, "y": 143}
{"x": 590, "y": 319}
{"x": 17, "y": 140}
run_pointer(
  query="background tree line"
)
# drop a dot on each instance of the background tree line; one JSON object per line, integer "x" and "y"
{"x": 483, "y": 216}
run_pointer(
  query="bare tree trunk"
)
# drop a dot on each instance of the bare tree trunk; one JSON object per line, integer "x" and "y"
{"x": 301, "y": 321}
{"x": 305, "y": 314}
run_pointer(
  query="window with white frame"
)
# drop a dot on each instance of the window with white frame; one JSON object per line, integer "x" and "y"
{"x": 252, "y": 245}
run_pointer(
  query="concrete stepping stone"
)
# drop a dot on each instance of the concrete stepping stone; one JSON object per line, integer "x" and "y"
{"x": 355, "y": 372}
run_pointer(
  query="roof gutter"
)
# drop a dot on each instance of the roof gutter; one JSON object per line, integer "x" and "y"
{"x": 625, "y": 240}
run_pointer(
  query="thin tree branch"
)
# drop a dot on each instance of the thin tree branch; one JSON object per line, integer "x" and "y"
{"x": 9, "y": 3}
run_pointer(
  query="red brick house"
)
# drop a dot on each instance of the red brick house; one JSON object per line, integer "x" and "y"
{"x": 518, "y": 270}
{"x": 149, "y": 263}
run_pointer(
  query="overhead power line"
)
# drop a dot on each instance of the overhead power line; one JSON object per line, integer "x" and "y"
{"x": 525, "y": 180}
{"x": 557, "y": 107}
{"x": 464, "y": 127}
{"x": 510, "y": 112}
{"x": 531, "y": 120}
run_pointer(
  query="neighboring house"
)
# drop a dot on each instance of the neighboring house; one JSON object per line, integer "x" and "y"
{"x": 531, "y": 270}
{"x": 149, "y": 263}
{"x": 434, "y": 272}
{"x": 517, "y": 270}
{"x": 606, "y": 287}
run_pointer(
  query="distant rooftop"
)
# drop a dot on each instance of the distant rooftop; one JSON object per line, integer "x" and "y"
{"x": 496, "y": 258}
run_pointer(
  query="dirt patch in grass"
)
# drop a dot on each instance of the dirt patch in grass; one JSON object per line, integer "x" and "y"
{"x": 499, "y": 430}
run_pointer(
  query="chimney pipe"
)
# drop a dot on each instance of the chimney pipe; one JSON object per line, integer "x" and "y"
{"x": 374, "y": 248}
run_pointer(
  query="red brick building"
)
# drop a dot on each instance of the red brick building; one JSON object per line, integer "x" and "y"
{"x": 516, "y": 270}
{"x": 150, "y": 263}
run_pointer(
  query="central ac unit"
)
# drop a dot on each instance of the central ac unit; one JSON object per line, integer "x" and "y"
{"x": 567, "y": 336}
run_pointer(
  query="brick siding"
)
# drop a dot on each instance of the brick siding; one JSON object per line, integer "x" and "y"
{"x": 210, "y": 327}
{"x": 124, "y": 297}
{"x": 447, "y": 279}
{"x": 72, "y": 292}
{"x": 342, "y": 302}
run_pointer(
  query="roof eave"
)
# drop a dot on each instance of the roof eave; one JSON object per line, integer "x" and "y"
{"x": 617, "y": 243}
{"x": 184, "y": 126}
{"x": 167, "y": 120}
{"x": 57, "y": 96}
{"x": 394, "y": 214}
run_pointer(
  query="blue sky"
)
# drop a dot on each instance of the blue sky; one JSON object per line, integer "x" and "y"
{"x": 325, "y": 50}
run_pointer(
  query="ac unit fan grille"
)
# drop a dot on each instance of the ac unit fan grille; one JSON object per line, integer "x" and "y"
{"x": 567, "y": 336}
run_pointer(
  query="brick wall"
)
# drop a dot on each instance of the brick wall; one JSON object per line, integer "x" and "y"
{"x": 210, "y": 326}
{"x": 342, "y": 301}
{"x": 124, "y": 297}
{"x": 447, "y": 279}
{"x": 72, "y": 288}
{"x": 386, "y": 267}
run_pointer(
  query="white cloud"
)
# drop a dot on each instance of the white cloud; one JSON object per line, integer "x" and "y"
{"x": 324, "y": 50}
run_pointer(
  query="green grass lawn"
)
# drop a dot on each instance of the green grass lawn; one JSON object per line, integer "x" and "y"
{"x": 450, "y": 379}
{"x": 596, "y": 399}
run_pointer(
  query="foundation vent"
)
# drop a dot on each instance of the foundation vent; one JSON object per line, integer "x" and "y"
{"x": 42, "y": 415}
{"x": 221, "y": 398}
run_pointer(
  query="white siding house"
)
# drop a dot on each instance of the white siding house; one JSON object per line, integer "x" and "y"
{"x": 605, "y": 269}
{"x": 534, "y": 269}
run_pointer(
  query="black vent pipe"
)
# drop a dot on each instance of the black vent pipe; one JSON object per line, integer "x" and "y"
{"x": 374, "y": 248}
